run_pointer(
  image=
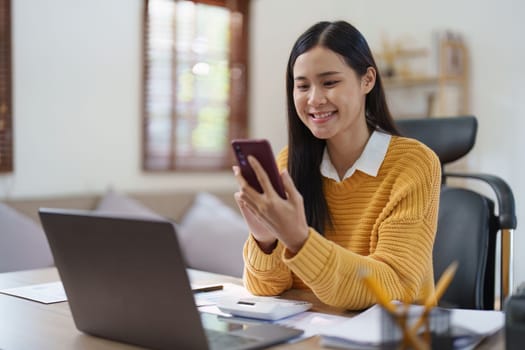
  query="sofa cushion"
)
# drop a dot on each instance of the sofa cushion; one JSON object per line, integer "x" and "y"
{"x": 23, "y": 244}
{"x": 213, "y": 236}
{"x": 211, "y": 233}
{"x": 120, "y": 204}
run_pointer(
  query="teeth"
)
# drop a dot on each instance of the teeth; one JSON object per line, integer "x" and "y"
{"x": 322, "y": 115}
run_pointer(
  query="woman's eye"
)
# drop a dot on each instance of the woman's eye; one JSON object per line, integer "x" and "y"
{"x": 302, "y": 87}
{"x": 330, "y": 83}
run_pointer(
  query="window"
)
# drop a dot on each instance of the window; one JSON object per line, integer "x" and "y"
{"x": 195, "y": 83}
{"x": 6, "y": 125}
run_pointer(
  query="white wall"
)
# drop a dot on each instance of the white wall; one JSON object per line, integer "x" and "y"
{"x": 493, "y": 33}
{"x": 77, "y": 75}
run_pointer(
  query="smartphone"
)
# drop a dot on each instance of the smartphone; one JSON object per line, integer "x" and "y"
{"x": 262, "y": 151}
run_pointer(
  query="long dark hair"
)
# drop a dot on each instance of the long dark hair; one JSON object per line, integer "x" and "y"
{"x": 305, "y": 151}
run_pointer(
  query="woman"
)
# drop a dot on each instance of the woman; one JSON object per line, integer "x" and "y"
{"x": 361, "y": 198}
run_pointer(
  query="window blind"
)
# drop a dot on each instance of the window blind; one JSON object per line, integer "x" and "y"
{"x": 6, "y": 110}
{"x": 195, "y": 83}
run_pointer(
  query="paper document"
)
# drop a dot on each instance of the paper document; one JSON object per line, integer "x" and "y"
{"x": 228, "y": 290}
{"x": 45, "y": 293}
{"x": 312, "y": 323}
{"x": 364, "y": 330}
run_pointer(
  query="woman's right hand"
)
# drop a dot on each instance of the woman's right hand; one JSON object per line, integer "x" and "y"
{"x": 263, "y": 234}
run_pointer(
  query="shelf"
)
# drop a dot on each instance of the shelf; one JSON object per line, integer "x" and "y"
{"x": 409, "y": 81}
{"x": 437, "y": 94}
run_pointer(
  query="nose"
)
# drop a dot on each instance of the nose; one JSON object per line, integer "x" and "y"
{"x": 316, "y": 97}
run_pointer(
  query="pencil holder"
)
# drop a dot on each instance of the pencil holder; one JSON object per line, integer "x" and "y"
{"x": 411, "y": 328}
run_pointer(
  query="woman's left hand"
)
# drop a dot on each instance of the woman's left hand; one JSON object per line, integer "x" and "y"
{"x": 284, "y": 216}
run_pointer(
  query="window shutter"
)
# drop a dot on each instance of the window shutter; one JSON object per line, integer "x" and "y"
{"x": 195, "y": 83}
{"x": 6, "y": 110}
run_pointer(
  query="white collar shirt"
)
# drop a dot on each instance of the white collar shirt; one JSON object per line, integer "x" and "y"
{"x": 368, "y": 162}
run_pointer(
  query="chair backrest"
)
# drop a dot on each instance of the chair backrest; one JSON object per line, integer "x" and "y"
{"x": 467, "y": 224}
{"x": 449, "y": 138}
{"x": 466, "y": 234}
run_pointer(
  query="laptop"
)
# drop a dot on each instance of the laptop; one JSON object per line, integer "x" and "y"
{"x": 125, "y": 280}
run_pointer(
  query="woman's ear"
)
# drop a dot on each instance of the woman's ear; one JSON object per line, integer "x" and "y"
{"x": 369, "y": 80}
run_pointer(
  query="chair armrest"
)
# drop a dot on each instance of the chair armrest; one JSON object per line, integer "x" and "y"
{"x": 506, "y": 207}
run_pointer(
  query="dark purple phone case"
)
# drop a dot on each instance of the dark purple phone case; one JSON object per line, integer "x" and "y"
{"x": 262, "y": 151}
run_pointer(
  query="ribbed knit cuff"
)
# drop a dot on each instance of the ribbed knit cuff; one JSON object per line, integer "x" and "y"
{"x": 311, "y": 259}
{"x": 257, "y": 260}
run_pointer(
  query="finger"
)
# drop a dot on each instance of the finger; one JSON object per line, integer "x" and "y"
{"x": 237, "y": 174}
{"x": 238, "y": 199}
{"x": 248, "y": 211}
{"x": 247, "y": 193}
{"x": 289, "y": 187}
{"x": 242, "y": 200}
{"x": 261, "y": 175}
{"x": 243, "y": 206}
{"x": 246, "y": 204}
{"x": 243, "y": 184}
{"x": 247, "y": 196}
{"x": 240, "y": 203}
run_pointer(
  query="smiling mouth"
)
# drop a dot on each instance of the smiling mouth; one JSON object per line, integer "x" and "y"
{"x": 323, "y": 115}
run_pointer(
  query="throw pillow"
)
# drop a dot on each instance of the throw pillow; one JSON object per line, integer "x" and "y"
{"x": 212, "y": 235}
{"x": 23, "y": 244}
{"x": 120, "y": 204}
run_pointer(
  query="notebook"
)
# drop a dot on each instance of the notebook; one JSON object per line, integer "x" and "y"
{"x": 125, "y": 280}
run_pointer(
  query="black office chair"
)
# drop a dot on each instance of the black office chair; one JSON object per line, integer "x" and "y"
{"x": 468, "y": 222}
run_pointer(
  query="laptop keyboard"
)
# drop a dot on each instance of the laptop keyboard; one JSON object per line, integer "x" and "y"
{"x": 221, "y": 340}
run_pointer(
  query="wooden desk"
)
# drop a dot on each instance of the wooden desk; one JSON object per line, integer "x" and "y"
{"x": 27, "y": 324}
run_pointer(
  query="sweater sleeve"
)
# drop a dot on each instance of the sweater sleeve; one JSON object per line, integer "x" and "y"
{"x": 265, "y": 274}
{"x": 401, "y": 251}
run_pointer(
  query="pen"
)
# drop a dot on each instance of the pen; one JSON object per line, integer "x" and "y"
{"x": 207, "y": 288}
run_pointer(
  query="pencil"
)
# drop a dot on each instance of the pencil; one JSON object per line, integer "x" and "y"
{"x": 441, "y": 287}
{"x": 385, "y": 302}
{"x": 379, "y": 293}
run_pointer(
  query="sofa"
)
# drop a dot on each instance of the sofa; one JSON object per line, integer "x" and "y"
{"x": 210, "y": 229}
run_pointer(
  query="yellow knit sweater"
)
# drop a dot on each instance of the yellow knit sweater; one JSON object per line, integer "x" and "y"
{"x": 385, "y": 225}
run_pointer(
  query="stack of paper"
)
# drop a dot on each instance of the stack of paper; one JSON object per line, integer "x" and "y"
{"x": 363, "y": 331}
